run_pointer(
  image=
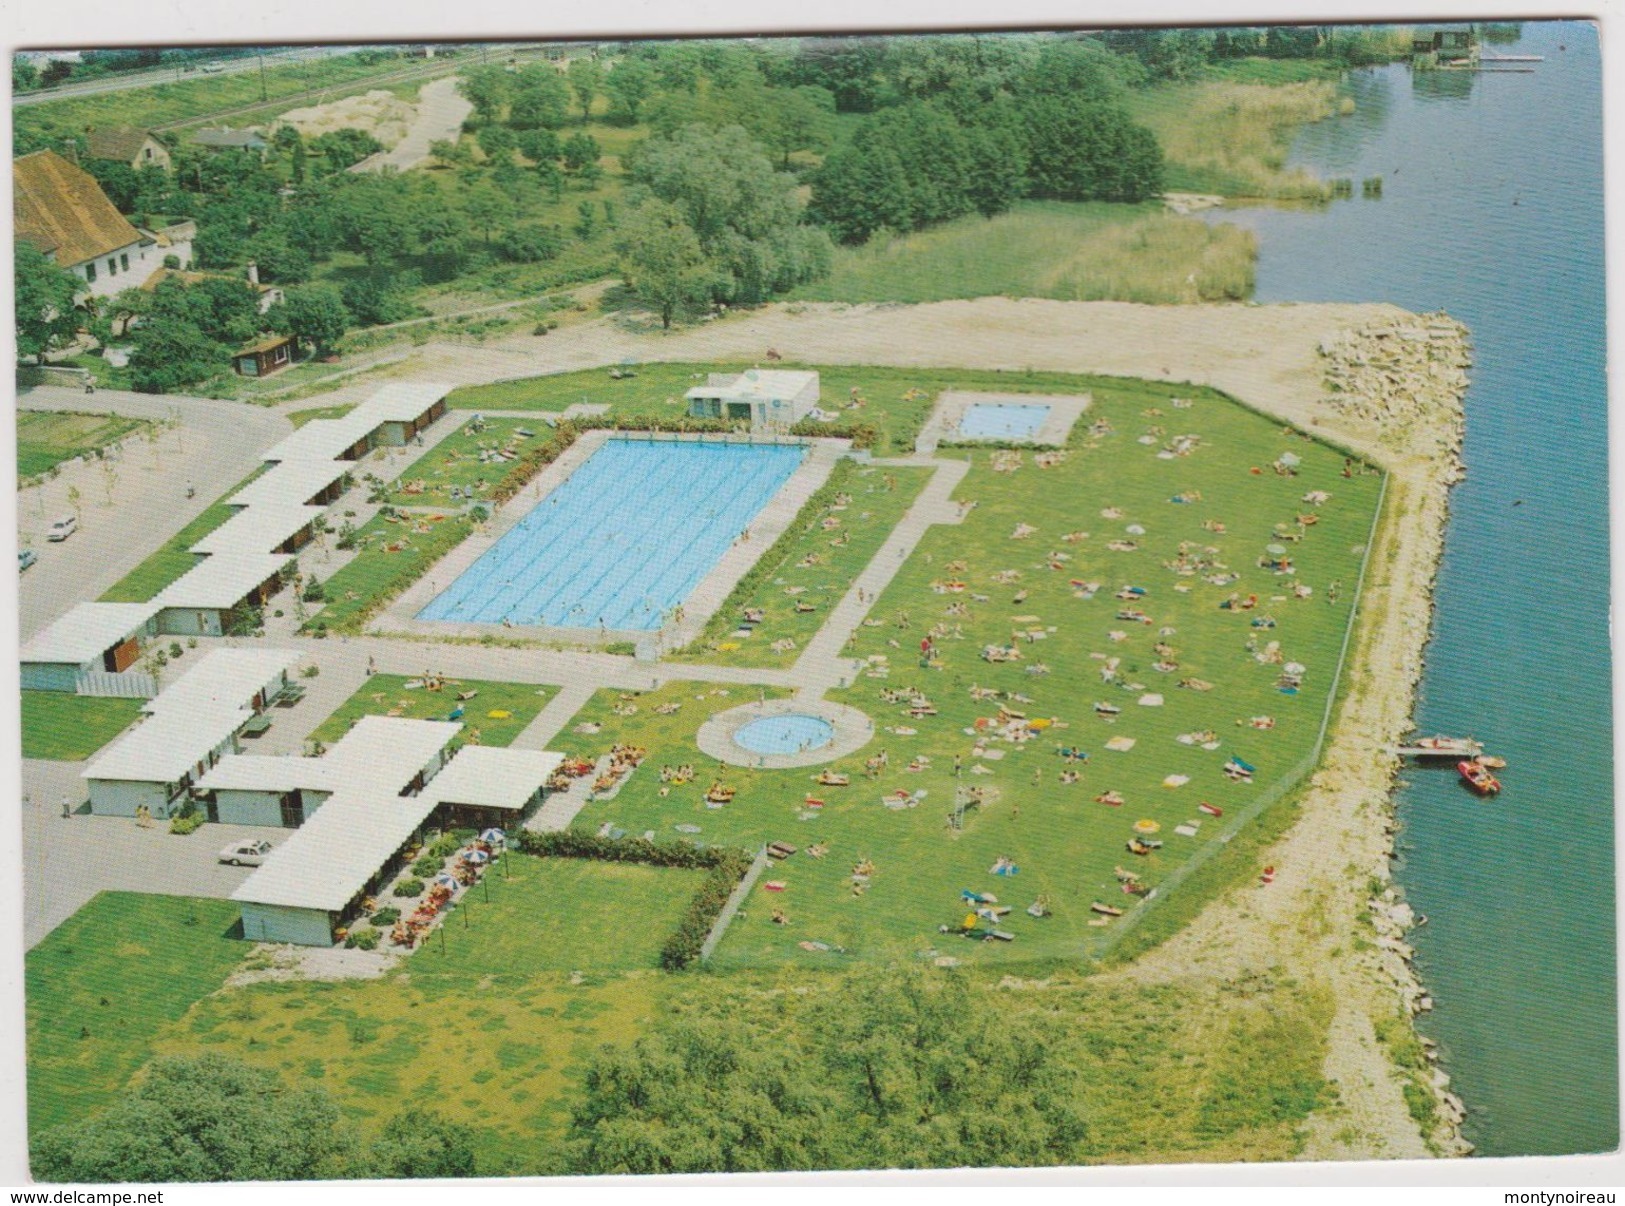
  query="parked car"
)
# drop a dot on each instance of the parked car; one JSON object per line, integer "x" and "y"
{"x": 26, "y": 558}
{"x": 63, "y": 528}
{"x": 246, "y": 854}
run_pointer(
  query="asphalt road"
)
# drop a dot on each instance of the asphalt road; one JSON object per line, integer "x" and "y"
{"x": 170, "y": 75}
{"x": 216, "y": 445}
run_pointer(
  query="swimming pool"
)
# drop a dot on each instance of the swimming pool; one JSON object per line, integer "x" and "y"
{"x": 788, "y": 734}
{"x": 1002, "y": 421}
{"x": 623, "y": 539}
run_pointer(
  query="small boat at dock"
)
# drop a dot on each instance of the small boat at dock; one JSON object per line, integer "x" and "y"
{"x": 1442, "y": 747}
{"x": 1478, "y": 778}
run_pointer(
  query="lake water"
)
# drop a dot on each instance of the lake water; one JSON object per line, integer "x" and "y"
{"x": 1492, "y": 209}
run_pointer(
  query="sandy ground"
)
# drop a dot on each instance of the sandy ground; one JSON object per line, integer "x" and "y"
{"x": 1271, "y": 358}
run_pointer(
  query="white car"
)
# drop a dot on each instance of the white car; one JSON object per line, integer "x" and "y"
{"x": 62, "y": 528}
{"x": 246, "y": 854}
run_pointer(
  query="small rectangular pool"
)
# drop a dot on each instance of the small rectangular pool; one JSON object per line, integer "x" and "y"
{"x": 1002, "y": 421}
{"x": 623, "y": 540}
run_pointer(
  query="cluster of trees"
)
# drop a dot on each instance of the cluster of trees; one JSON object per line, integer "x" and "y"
{"x": 900, "y": 1069}
{"x": 712, "y": 221}
{"x": 975, "y": 136}
{"x": 212, "y": 1118}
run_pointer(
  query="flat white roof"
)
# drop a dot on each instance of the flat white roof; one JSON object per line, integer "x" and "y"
{"x": 329, "y": 858}
{"x": 265, "y": 772}
{"x": 757, "y": 385}
{"x": 187, "y": 720}
{"x": 321, "y": 439}
{"x": 401, "y": 401}
{"x": 221, "y": 581}
{"x": 86, "y": 632}
{"x": 488, "y": 777}
{"x": 380, "y": 754}
{"x": 290, "y": 483}
{"x": 259, "y": 529}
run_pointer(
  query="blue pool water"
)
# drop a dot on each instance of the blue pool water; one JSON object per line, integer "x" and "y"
{"x": 623, "y": 540}
{"x": 1002, "y": 421}
{"x": 785, "y": 734}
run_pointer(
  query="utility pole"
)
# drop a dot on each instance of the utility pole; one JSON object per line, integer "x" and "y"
{"x": 263, "y": 96}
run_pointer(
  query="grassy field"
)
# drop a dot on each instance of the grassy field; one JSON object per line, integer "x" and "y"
{"x": 105, "y": 983}
{"x": 1233, "y": 138}
{"x": 455, "y": 461}
{"x": 194, "y": 97}
{"x": 174, "y": 558}
{"x": 377, "y": 575}
{"x": 70, "y": 728}
{"x": 879, "y": 499}
{"x": 1071, "y": 252}
{"x": 47, "y": 438}
{"x": 387, "y": 695}
{"x": 552, "y": 915}
{"x": 1065, "y": 844}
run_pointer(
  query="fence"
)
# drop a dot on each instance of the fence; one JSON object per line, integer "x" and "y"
{"x": 1288, "y": 781}
{"x": 105, "y": 683}
{"x": 719, "y": 927}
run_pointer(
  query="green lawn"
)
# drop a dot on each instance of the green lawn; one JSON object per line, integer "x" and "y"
{"x": 377, "y": 575}
{"x": 879, "y": 499}
{"x": 300, "y": 417}
{"x": 1068, "y": 251}
{"x": 70, "y": 728}
{"x": 174, "y": 558}
{"x": 387, "y": 695}
{"x": 455, "y": 461}
{"x": 105, "y": 983}
{"x": 47, "y": 438}
{"x": 548, "y": 915}
{"x": 1065, "y": 844}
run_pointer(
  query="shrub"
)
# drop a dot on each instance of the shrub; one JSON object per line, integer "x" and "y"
{"x": 313, "y": 590}
{"x": 427, "y": 865}
{"x": 362, "y": 939}
{"x": 385, "y": 917}
{"x": 186, "y": 822}
{"x": 409, "y": 887}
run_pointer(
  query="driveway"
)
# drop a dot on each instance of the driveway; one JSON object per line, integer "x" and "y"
{"x": 66, "y": 862}
{"x": 127, "y": 516}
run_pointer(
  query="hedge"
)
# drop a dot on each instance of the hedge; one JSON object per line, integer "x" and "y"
{"x": 726, "y": 867}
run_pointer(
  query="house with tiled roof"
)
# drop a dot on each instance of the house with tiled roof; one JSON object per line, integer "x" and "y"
{"x": 126, "y": 144}
{"x": 59, "y": 209}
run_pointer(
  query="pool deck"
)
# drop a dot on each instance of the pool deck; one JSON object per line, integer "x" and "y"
{"x": 401, "y": 617}
{"x": 942, "y": 425}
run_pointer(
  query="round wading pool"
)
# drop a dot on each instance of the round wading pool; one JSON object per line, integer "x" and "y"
{"x": 787, "y": 734}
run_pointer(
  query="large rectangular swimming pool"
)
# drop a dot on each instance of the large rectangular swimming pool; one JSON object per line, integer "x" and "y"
{"x": 623, "y": 540}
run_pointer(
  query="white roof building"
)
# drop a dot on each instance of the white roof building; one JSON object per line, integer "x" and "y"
{"x": 222, "y": 581}
{"x": 193, "y": 717}
{"x": 86, "y": 632}
{"x": 259, "y": 529}
{"x": 765, "y": 397}
{"x": 488, "y": 777}
{"x": 290, "y": 484}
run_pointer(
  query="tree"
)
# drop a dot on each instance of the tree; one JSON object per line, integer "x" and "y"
{"x": 580, "y": 151}
{"x": 797, "y": 119}
{"x": 24, "y": 75}
{"x": 541, "y": 101}
{"x": 312, "y": 314}
{"x": 421, "y": 1145}
{"x": 661, "y": 258}
{"x": 485, "y": 208}
{"x": 46, "y": 319}
{"x": 900, "y": 1068}
{"x": 171, "y": 353}
{"x": 277, "y": 260}
{"x": 497, "y": 142}
{"x": 118, "y": 180}
{"x": 344, "y": 148}
{"x": 488, "y": 89}
{"x": 539, "y": 145}
{"x": 450, "y": 152}
{"x": 207, "y": 1118}
{"x": 377, "y": 300}
{"x": 530, "y": 244}
{"x": 586, "y": 81}
{"x": 627, "y": 87}
{"x": 1089, "y": 152}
